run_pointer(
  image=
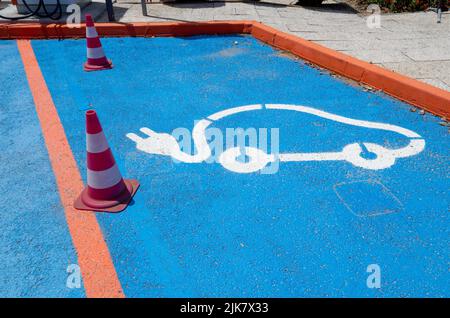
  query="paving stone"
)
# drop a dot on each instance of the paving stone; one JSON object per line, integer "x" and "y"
{"x": 428, "y": 69}
{"x": 378, "y": 56}
{"x": 428, "y": 54}
{"x": 331, "y": 36}
{"x": 435, "y": 82}
{"x": 446, "y": 80}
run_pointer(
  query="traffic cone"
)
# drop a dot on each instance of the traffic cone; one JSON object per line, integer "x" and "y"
{"x": 96, "y": 59}
{"x": 106, "y": 189}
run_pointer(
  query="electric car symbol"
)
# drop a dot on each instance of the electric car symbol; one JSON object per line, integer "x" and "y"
{"x": 166, "y": 145}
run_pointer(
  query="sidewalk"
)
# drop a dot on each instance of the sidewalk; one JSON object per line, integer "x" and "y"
{"x": 410, "y": 43}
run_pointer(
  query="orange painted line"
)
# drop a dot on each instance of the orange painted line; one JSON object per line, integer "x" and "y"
{"x": 97, "y": 268}
{"x": 414, "y": 92}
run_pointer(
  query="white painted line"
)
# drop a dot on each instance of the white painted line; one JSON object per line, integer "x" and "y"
{"x": 235, "y": 110}
{"x": 346, "y": 120}
{"x": 311, "y": 156}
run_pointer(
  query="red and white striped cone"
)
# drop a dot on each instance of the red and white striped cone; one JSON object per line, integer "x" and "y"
{"x": 96, "y": 59}
{"x": 106, "y": 189}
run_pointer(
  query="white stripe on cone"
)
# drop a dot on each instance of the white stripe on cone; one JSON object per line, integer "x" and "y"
{"x": 95, "y": 53}
{"x": 96, "y": 143}
{"x": 103, "y": 179}
{"x": 91, "y": 32}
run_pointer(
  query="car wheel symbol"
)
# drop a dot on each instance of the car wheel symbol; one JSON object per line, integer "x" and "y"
{"x": 257, "y": 159}
{"x": 384, "y": 157}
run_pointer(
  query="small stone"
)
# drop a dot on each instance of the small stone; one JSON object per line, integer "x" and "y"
{"x": 422, "y": 112}
{"x": 412, "y": 109}
{"x": 443, "y": 123}
{"x": 235, "y": 43}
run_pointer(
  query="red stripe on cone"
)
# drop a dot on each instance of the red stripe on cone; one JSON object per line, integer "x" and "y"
{"x": 93, "y": 43}
{"x": 89, "y": 21}
{"x": 92, "y": 123}
{"x": 106, "y": 189}
{"x": 107, "y": 194}
{"x": 100, "y": 61}
{"x": 96, "y": 63}
{"x": 100, "y": 161}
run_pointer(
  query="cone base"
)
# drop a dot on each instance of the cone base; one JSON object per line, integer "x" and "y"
{"x": 84, "y": 202}
{"x": 89, "y": 67}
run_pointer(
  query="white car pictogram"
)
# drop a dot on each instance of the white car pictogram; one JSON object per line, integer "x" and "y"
{"x": 166, "y": 144}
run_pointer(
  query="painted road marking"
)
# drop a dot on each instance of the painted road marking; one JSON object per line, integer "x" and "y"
{"x": 98, "y": 272}
{"x": 234, "y": 110}
{"x": 166, "y": 144}
{"x": 367, "y": 198}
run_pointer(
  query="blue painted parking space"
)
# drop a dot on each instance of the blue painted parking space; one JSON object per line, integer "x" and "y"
{"x": 341, "y": 178}
{"x": 35, "y": 246}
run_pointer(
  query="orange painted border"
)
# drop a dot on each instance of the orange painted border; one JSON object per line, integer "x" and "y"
{"x": 98, "y": 272}
{"x": 136, "y": 29}
{"x": 422, "y": 95}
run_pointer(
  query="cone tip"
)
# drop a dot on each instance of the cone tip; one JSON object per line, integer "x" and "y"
{"x": 93, "y": 125}
{"x": 89, "y": 21}
{"x": 90, "y": 112}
